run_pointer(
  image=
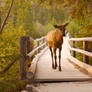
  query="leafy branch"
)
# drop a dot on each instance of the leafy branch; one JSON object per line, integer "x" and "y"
{"x": 4, "y": 23}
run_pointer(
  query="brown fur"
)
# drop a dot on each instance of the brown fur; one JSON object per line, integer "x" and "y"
{"x": 56, "y": 39}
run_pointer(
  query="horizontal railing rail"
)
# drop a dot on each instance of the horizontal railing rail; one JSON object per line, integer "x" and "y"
{"x": 82, "y": 52}
{"x": 81, "y": 39}
{"x": 34, "y": 50}
{"x": 40, "y": 39}
{"x": 86, "y": 53}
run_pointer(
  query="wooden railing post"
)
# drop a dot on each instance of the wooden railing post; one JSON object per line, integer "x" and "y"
{"x": 38, "y": 43}
{"x": 23, "y": 44}
{"x": 85, "y": 47}
{"x": 28, "y": 45}
{"x": 43, "y": 41}
{"x": 73, "y": 52}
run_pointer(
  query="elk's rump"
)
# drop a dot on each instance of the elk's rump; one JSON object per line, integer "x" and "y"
{"x": 54, "y": 39}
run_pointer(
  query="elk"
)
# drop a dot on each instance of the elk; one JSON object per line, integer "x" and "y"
{"x": 54, "y": 40}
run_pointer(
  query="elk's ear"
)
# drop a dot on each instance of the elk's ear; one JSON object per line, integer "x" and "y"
{"x": 66, "y": 24}
{"x": 55, "y": 26}
{"x": 59, "y": 27}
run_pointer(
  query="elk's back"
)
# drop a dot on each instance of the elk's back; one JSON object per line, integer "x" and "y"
{"x": 55, "y": 39}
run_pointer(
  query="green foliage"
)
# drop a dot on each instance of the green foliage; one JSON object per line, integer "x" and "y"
{"x": 73, "y": 29}
{"x": 9, "y": 49}
{"x": 28, "y": 23}
{"x": 38, "y": 30}
{"x": 9, "y": 44}
{"x": 27, "y": 20}
{"x": 48, "y": 28}
{"x": 12, "y": 86}
{"x": 35, "y": 18}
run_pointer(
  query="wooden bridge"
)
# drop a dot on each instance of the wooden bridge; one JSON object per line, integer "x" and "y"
{"x": 73, "y": 70}
{"x": 74, "y": 73}
{"x": 45, "y": 73}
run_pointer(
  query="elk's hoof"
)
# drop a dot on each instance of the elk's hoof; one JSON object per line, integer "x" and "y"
{"x": 53, "y": 67}
{"x": 60, "y": 69}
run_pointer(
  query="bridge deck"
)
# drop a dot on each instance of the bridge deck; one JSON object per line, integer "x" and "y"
{"x": 69, "y": 71}
{"x": 45, "y": 73}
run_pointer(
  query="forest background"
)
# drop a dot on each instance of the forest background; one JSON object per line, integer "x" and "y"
{"x": 35, "y": 18}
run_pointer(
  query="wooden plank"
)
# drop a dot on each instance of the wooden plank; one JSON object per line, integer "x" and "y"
{"x": 40, "y": 38}
{"x": 33, "y": 67}
{"x": 45, "y": 71}
{"x": 82, "y": 65}
{"x": 63, "y": 80}
{"x": 81, "y": 39}
{"x": 82, "y": 51}
{"x": 35, "y": 89}
{"x": 35, "y": 60}
{"x": 66, "y": 87}
{"x": 31, "y": 88}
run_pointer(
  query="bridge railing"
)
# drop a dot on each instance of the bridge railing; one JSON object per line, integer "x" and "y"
{"x": 86, "y": 53}
{"x": 27, "y": 53}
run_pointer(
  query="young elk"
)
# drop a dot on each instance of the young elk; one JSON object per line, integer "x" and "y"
{"x": 55, "y": 40}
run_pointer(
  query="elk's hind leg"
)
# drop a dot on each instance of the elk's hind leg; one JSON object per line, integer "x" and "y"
{"x": 59, "y": 59}
{"x": 55, "y": 57}
{"x": 52, "y": 57}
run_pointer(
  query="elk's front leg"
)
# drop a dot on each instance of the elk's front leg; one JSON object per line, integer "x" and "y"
{"x": 59, "y": 59}
{"x": 52, "y": 57}
{"x": 55, "y": 57}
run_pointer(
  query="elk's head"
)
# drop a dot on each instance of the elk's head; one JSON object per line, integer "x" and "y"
{"x": 62, "y": 28}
